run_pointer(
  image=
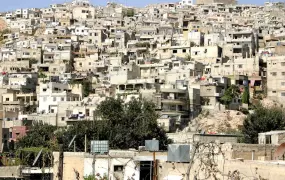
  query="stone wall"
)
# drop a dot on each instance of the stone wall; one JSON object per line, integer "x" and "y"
{"x": 10, "y": 172}
{"x": 249, "y": 151}
{"x": 270, "y": 170}
{"x": 205, "y": 138}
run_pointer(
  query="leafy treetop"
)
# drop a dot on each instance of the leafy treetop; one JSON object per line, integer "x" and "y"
{"x": 262, "y": 120}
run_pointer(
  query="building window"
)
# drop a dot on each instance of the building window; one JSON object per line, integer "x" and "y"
{"x": 283, "y": 94}
{"x": 7, "y": 99}
{"x": 52, "y": 110}
{"x": 118, "y": 168}
{"x": 54, "y": 99}
{"x": 273, "y": 91}
{"x": 240, "y": 66}
{"x": 62, "y": 99}
{"x": 62, "y": 118}
{"x": 282, "y": 83}
{"x": 283, "y": 73}
{"x": 174, "y": 51}
{"x": 184, "y": 50}
{"x": 273, "y": 73}
{"x": 282, "y": 63}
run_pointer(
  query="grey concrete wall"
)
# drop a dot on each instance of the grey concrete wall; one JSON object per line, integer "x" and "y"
{"x": 245, "y": 151}
{"x": 10, "y": 172}
{"x": 213, "y": 138}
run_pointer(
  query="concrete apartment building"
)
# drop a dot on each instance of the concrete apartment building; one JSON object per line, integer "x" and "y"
{"x": 211, "y": 91}
{"x": 58, "y": 63}
{"x": 275, "y": 80}
{"x": 230, "y": 2}
{"x": 52, "y": 93}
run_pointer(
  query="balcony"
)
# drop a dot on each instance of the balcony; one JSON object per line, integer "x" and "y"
{"x": 218, "y": 94}
{"x": 173, "y": 90}
{"x": 178, "y": 101}
{"x": 15, "y": 103}
{"x": 235, "y": 46}
{"x": 174, "y": 112}
{"x": 76, "y": 117}
{"x": 239, "y": 40}
{"x": 36, "y": 170}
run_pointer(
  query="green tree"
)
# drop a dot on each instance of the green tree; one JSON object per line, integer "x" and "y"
{"x": 86, "y": 85}
{"x": 128, "y": 12}
{"x": 188, "y": 57}
{"x": 39, "y": 135}
{"x": 28, "y": 155}
{"x": 97, "y": 177}
{"x": 262, "y": 120}
{"x": 86, "y": 88}
{"x": 33, "y": 61}
{"x": 41, "y": 74}
{"x": 124, "y": 125}
{"x": 245, "y": 96}
{"x": 230, "y": 93}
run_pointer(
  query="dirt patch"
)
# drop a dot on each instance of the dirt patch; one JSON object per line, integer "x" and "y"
{"x": 218, "y": 121}
{"x": 3, "y": 24}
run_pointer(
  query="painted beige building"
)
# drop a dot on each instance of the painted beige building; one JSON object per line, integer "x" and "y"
{"x": 216, "y": 1}
{"x": 246, "y": 66}
{"x": 248, "y": 160}
{"x": 275, "y": 79}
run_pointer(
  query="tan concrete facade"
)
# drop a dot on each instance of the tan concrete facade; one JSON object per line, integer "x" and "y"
{"x": 216, "y": 1}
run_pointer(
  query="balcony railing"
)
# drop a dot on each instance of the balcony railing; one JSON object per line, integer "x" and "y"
{"x": 13, "y": 103}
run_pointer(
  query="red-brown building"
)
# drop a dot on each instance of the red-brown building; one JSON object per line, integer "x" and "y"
{"x": 18, "y": 132}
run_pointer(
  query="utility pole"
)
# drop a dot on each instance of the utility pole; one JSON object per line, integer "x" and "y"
{"x": 93, "y": 165}
{"x": 85, "y": 144}
{"x": 60, "y": 164}
{"x": 154, "y": 166}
